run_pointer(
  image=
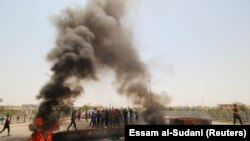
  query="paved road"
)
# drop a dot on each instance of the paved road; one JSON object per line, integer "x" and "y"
{"x": 21, "y": 132}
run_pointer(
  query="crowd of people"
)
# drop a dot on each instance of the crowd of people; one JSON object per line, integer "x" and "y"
{"x": 115, "y": 117}
{"x": 106, "y": 117}
{"x": 110, "y": 118}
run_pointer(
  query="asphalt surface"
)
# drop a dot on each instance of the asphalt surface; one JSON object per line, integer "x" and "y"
{"x": 21, "y": 132}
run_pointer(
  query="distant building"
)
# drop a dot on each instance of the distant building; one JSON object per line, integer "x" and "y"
{"x": 30, "y": 106}
{"x": 229, "y": 106}
{"x": 11, "y": 107}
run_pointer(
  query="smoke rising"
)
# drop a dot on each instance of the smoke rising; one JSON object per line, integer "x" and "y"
{"x": 90, "y": 39}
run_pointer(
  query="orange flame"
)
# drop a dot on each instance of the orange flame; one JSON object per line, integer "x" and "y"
{"x": 39, "y": 134}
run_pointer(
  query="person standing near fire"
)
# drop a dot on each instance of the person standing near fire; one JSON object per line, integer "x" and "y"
{"x": 7, "y": 125}
{"x": 236, "y": 114}
{"x": 79, "y": 115}
{"x": 73, "y": 120}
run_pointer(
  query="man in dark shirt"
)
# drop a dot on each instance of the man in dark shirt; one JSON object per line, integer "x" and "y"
{"x": 7, "y": 125}
{"x": 125, "y": 116}
{"x": 236, "y": 114}
{"x": 73, "y": 120}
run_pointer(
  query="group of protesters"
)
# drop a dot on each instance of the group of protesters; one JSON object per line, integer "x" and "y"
{"x": 106, "y": 117}
{"x": 113, "y": 117}
{"x": 109, "y": 118}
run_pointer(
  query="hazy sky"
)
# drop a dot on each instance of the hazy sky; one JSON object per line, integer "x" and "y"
{"x": 198, "y": 52}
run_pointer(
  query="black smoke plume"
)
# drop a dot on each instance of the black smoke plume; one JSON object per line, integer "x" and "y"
{"x": 90, "y": 39}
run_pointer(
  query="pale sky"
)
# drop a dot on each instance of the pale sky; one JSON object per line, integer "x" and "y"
{"x": 197, "y": 51}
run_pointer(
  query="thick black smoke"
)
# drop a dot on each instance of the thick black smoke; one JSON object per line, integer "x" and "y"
{"x": 90, "y": 39}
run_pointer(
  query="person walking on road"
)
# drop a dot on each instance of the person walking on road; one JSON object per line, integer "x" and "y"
{"x": 73, "y": 120}
{"x": 236, "y": 114}
{"x": 7, "y": 125}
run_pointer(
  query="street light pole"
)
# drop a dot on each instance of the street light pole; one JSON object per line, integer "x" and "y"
{"x": 109, "y": 102}
{"x": 1, "y": 100}
{"x": 149, "y": 81}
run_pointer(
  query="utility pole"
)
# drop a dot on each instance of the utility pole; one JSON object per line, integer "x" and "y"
{"x": 149, "y": 81}
{"x": 109, "y": 102}
{"x": 1, "y": 100}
